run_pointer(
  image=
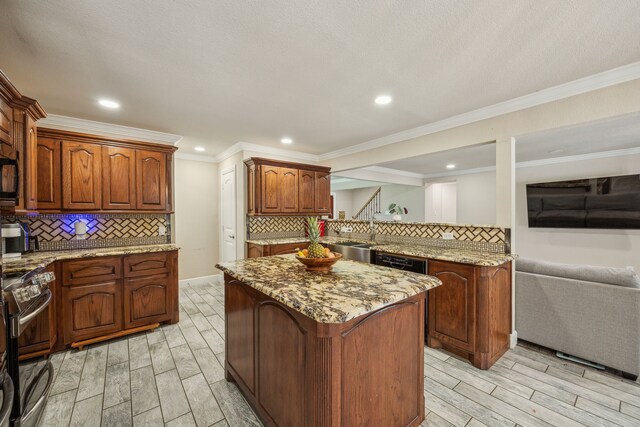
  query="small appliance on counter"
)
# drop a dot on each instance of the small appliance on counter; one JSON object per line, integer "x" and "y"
{"x": 17, "y": 240}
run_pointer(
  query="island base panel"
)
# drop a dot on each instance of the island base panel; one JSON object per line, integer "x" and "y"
{"x": 295, "y": 371}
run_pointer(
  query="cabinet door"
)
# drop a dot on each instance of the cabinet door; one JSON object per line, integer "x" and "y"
{"x": 31, "y": 164}
{"x": 270, "y": 189}
{"x": 306, "y": 188}
{"x": 147, "y": 300}
{"x": 6, "y": 130}
{"x": 118, "y": 178}
{"x": 452, "y": 306}
{"x": 254, "y": 251}
{"x": 323, "y": 193}
{"x": 48, "y": 172}
{"x": 151, "y": 184}
{"x": 289, "y": 190}
{"x": 251, "y": 189}
{"x": 91, "y": 311}
{"x": 81, "y": 176}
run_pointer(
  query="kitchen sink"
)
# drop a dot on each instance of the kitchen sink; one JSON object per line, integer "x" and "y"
{"x": 354, "y": 251}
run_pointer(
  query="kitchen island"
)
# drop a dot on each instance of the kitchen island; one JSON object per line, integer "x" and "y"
{"x": 343, "y": 348}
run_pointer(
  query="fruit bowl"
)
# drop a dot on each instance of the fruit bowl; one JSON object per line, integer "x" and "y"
{"x": 322, "y": 265}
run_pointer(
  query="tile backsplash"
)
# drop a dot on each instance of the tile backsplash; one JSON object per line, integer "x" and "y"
{"x": 266, "y": 227}
{"x": 57, "y": 231}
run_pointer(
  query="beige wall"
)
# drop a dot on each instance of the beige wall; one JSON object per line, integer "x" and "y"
{"x": 612, "y": 248}
{"x": 196, "y": 219}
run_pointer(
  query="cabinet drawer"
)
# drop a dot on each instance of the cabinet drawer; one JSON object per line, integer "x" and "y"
{"x": 91, "y": 270}
{"x": 147, "y": 264}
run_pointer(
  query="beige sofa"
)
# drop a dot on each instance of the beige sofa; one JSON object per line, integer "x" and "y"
{"x": 584, "y": 311}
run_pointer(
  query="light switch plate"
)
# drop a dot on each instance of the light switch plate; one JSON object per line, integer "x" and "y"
{"x": 447, "y": 236}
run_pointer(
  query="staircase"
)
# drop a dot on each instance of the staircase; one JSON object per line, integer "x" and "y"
{"x": 371, "y": 207}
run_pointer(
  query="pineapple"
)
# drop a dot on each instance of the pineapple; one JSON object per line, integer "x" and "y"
{"x": 316, "y": 250}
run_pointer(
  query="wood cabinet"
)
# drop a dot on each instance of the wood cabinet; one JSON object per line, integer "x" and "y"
{"x": 18, "y": 139}
{"x": 118, "y": 178}
{"x": 40, "y": 336}
{"x": 101, "y": 174}
{"x": 151, "y": 174}
{"x": 106, "y": 296}
{"x": 470, "y": 314}
{"x": 295, "y": 371}
{"x": 284, "y": 188}
{"x": 256, "y": 251}
{"x": 81, "y": 176}
{"x": 49, "y": 173}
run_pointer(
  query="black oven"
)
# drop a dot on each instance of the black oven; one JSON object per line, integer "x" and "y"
{"x": 10, "y": 174}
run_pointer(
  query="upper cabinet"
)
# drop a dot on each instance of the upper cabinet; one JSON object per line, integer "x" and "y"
{"x": 151, "y": 167}
{"x": 92, "y": 173}
{"x": 18, "y": 141}
{"x": 282, "y": 188}
{"x": 118, "y": 178}
{"x": 81, "y": 176}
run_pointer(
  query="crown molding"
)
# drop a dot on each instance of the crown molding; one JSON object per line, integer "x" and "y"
{"x": 390, "y": 171}
{"x": 195, "y": 157}
{"x": 587, "y": 84}
{"x": 579, "y": 157}
{"x": 262, "y": 149}
{"x": 55, "y": 121}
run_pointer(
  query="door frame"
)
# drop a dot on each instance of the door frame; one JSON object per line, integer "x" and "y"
{"x": 223, "y": 172}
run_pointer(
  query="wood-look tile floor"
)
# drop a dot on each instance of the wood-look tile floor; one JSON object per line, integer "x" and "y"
{"x": 173, "y": 376}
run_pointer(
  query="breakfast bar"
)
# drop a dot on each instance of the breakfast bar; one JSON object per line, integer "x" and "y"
{"x": 341, "y": 348}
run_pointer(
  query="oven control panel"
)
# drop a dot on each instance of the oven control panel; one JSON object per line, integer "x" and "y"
{"x": 26, "y": 293}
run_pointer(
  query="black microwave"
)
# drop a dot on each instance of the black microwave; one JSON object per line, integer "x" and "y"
{"x": 10, "y": 180}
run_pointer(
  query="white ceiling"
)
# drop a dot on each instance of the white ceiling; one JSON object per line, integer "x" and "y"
{"x": 224, "y": 71}
{"x": 618, "y": 133}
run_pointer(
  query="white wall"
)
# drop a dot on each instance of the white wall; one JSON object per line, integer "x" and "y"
{"x": 613, "y": 248}
{"x": 440, "y": 202}
{"x": 343, "y": 201}
{"x": 196, "y": 218}
{"x": 407, "y": 196}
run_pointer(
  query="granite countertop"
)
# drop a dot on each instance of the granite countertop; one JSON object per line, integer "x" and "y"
{"x": 350, "y": 290}
{"x": 36, "y": 259}
{"x": 464, "y": 256}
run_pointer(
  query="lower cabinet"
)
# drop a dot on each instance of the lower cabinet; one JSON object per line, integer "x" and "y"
{"x": 147, "y": 300}
{"x": 91, "y": 310}
{"x": 102, "y": 296}
{"x": 470, "y": 314}
{"x": 256, "y": 251}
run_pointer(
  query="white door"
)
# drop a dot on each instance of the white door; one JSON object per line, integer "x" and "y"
{"x": 228, "y": 214}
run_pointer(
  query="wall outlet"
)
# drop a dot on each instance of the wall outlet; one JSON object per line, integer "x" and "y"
{"x": 447, "y": 236}
{"x": 162, "y": 230}
{"x": 346, "y": 229}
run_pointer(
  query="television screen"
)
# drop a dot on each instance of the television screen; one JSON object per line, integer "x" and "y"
{"x": 610, "y": 202}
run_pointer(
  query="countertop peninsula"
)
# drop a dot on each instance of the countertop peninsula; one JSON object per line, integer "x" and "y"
{"x": 350, "y": 290}
{"x": 33, "y": 260}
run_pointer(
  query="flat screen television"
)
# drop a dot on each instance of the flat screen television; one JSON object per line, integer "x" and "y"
{"x": 609, "y": 202}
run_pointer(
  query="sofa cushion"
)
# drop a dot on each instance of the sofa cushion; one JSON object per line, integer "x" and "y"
{"x": 613, "y": 219}
{"x": 618, "y": 202}
{"x": 588, "y": 273}
{"x": 562, "y": 218}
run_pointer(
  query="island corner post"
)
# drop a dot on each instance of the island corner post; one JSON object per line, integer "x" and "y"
{"x": 296, "y": 371}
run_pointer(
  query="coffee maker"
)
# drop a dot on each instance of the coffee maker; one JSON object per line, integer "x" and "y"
{"x": 17, "y": 240}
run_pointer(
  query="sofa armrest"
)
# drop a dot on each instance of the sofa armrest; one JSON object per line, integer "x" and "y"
{"x": 594, "y": 321}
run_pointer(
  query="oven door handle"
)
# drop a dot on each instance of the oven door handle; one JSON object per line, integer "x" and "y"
{"x": 31, "y": 388}
{"x": 20, "y": 322}
{"x": 7, "y": 400}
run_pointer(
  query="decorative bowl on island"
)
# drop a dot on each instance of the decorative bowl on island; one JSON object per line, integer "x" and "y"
{"x": 319, "y": 265}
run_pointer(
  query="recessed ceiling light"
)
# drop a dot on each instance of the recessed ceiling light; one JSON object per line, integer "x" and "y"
{"x": 451, "y": 166}
{"x": 286, "y": 140}
{"x": 108, "y": 103}
{"x": 383, "y": 99}
{"x": 199, "y": 149}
